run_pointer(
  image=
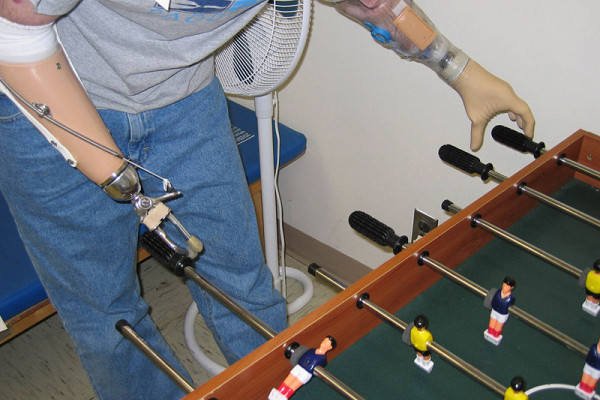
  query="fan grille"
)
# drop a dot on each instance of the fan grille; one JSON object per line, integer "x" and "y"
{"x": 261, "y": 56}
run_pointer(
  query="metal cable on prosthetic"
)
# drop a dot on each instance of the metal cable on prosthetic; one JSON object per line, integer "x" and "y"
{"x": 471, "y": 164}
{"x": 367, "y": 225}
{"x": 522, "y": 143}
{"x": 43, "y": 112}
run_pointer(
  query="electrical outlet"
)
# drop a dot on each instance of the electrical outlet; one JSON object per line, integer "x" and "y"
{"x": 422, "y": 224}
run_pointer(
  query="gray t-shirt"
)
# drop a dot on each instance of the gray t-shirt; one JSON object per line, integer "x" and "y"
{"x": 133, "y": 55}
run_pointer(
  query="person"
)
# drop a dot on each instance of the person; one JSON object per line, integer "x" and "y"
{"x": 420, "y": 338}
{"x": 591, "y": 373}
{"x": 501, "y": 301}
{"x": 591, "y": 305}
{"x": 516, "y": 390}
{"x": 137, "y": 78}
{"x": 303, "y": 370}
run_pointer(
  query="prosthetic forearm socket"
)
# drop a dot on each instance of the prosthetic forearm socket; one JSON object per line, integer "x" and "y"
{"x": 402, "y": 26}
{"x": 37, "y": 76}
{"x": 35, "y": 68}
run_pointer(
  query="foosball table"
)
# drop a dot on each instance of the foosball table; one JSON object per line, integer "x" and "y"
{"x": 371, "y": 356}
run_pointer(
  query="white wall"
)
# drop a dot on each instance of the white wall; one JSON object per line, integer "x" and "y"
{"x": 374, "y": 123}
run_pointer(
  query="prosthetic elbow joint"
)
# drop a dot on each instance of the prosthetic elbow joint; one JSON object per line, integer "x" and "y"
{"x": 402, "y": 26}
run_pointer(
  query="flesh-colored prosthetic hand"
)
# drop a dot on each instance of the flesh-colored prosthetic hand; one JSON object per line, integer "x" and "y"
{"x": 485, "y": 96}
{"x": 402, "y": 26}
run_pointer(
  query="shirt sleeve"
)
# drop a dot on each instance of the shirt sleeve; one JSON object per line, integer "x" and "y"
{"x": 54, "y": 7}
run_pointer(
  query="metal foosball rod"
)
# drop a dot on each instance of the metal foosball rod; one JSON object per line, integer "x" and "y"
{"x": 527, "y": 318}
{"x": 477, "y": 221}
{"x": 472, "y": 165}
{"x": 129, "y": 333}
{"x": 385, "y": 236}
{"x": 522, "y": 143}
{"x": 184, "y": 266}
{"x": 436, "y": 348}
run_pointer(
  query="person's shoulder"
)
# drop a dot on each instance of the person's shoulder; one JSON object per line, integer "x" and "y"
{"x": 54, "y": 7}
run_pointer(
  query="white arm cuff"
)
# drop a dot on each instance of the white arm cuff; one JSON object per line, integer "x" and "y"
{"x": 26, "y": 43}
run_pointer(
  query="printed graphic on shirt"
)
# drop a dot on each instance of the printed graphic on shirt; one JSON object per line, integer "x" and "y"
{"x": 196, "y": 10}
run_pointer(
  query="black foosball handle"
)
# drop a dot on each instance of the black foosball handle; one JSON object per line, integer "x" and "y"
{"x": 464, "y": 161}
{"x": 377, "y": 231}
{"x": 517, "y": 140}
{"x": 156, "y": 246}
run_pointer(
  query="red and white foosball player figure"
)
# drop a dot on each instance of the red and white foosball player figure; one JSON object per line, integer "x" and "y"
{"x": 501, "y": 301}
{"x": 303, "y": 371}
{"x": 591, "y": 373}
{"x": 591, "y": 304}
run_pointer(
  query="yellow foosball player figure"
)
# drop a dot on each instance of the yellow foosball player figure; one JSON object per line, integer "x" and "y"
{"x": 591, "y": 305}
{"x": 516, "y": 391}
{"x": 420, "y": 337}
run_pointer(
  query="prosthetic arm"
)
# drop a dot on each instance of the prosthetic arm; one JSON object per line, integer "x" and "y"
{"x": 402, "y": 26}
{"x": 34, "y": 66}
{"x": 36, "y": 75}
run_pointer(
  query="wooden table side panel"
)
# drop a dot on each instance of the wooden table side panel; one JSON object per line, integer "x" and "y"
{"x": 589, "y": 156}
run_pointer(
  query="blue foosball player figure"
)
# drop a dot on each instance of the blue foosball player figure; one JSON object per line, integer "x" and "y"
{"x": 591, "y": 373}
{"x": 501, "y": 300}
{"x": 303, "y": 371}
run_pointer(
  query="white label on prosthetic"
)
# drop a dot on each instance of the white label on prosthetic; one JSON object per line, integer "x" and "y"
{"x": 399, "y": 7}
{"x": 156, "y": 215}
{"x": 414, "y": 28}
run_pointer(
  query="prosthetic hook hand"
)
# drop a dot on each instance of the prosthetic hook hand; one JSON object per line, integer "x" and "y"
{"x": 402, "y": 26}
{"x": 36, "y": 75}
{"x": 125, "y": 186}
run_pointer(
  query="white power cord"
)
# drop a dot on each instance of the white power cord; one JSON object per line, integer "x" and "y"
{"x": 307, "y": 284}
{"x": 553, "y": 386}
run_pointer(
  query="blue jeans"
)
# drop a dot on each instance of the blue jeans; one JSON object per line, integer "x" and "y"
{"x": 83, "y": 244}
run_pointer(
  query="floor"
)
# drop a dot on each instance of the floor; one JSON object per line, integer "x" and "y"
{"x": 41, "y": 363}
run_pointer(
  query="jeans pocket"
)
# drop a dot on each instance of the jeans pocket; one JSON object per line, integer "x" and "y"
{"x": 9, "y": 112}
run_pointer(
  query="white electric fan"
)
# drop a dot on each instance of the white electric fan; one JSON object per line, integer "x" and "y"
{"x": 254, "y": 64}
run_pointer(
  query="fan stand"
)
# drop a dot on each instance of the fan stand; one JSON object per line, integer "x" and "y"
{"x": 264, "y": 113}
